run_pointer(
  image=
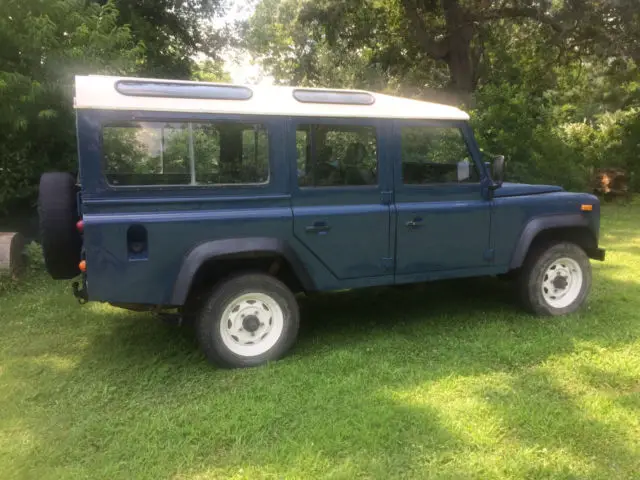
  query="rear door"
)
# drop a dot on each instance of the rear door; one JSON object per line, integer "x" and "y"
{"x": 341, "y": 203}
{"x": 443, "y": 210}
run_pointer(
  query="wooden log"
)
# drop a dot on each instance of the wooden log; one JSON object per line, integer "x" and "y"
{"x": 11, "y": 249}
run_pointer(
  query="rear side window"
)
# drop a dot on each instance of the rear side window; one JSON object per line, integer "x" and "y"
{"x": 185, "y": 153}
{"x": 436, "y": 155}
{"x": 336, "y": 155}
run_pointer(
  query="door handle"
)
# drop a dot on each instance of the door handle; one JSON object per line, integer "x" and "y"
{"x": 416, "y": 222}
{"x": 317, "y": 227}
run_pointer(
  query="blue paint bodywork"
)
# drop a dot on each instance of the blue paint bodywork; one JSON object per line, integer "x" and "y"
{"x": 336, "y": 237}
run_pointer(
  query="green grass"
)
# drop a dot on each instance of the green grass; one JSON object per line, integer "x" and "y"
{"x": 445, "y": 380}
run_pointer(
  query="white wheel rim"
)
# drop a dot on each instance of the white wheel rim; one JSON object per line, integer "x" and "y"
{"x": 562, "y": 283}
{"x": 251, "y": 324}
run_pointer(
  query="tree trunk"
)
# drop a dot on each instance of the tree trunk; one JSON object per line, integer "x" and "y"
{"x": 461, "y": 71}
{"x": 231, "y": 146}
{"x": 11, "y": 249}
{"x": 455, "y": 48}
{"x": 460, "y": 33}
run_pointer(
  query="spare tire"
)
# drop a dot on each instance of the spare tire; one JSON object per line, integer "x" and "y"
{"x": 58, "y": 212}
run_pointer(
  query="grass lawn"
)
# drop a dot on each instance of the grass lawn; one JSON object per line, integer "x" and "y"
{"x": 445, "y": 380}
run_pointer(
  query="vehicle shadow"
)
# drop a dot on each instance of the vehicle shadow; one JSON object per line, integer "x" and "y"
{"x": 484, "y": 313}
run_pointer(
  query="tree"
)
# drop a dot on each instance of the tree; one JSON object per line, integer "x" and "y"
{"x": 398, "y": 35}
{"x": 42, "y": 45}
{"x": 453, "y": 30}
{"x": 173, "y": 32}
{"x": 208, "y": 70}
{"x": 298, "y": 45}
{"x": 552, "y": 85}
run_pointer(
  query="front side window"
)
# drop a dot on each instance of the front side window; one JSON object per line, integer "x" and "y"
{"x": 185, "y": 153}
{"x": 436, "y": 155}
{"x": 336, "y": 155}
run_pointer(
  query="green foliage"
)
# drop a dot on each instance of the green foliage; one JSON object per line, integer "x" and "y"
{"x": 160, "y": 153}
{"x": 35, "y": 260}
{"x": 123, "y": 152}
{"x": 294, "y": 47}
{"x": 210, "y": 71}
{"x": 510, "y": 122}
{"x": 174, "y": 32}
{"x": 555, "y": 87}
{"x": 555, "y": 118}
{"x": 42, "y": 45}
{"x": 556, "y": 122}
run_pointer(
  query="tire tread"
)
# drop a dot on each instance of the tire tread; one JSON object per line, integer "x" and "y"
{"x": 536, "y": 261}
{"x": 207, "y": 321}
{"x": 58, "y": 214}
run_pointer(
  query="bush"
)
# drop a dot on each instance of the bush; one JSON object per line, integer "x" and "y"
{"x": 44, "y": 45}
{"x": 520, "y": 126}
{"x": 542, "y": 145}
{"x": 35, "y": 259}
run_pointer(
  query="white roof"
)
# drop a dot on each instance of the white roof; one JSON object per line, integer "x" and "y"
{"x": 99, "y": 92}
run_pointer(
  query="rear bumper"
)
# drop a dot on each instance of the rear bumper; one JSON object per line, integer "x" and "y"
{"x": 596, "y": 253}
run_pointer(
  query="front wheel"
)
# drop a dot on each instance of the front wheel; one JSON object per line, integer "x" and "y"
{"x": 247, "y": 321}
{"x": 555, "y": 280}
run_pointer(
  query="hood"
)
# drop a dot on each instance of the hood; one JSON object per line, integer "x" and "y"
{"x": 516, "y": 189}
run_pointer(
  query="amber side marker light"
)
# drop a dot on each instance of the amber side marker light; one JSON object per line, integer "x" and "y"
{"x": 586, "y": 208}
{"x": 83, "y": 266}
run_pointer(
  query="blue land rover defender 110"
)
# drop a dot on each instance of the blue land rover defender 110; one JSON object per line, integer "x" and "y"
{"x": 225, "y": 201}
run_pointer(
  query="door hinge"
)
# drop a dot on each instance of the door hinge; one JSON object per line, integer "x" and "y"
{"x": 386, "y": 197}
{"x": 387, "y": 264}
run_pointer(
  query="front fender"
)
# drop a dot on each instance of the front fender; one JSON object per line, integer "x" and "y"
{"x": 231, "y": 247}
{"x": 539, "y": 224}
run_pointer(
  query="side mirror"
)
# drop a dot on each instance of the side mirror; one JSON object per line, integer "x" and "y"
{"x": 497, "y": 171}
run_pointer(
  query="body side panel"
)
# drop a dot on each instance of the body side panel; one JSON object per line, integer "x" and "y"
{"x": 176, "y": 219}
{"x": 453, "y": 219}
{"x": 516, "y": 220}
{"x": 356, "y": 244}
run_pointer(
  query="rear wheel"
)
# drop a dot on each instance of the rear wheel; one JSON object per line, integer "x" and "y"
{"x": 555, "y": 280}
{"x": 247, "y": 321}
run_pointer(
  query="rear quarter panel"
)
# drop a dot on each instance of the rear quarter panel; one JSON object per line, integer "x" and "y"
{"x": 113, "y": 275}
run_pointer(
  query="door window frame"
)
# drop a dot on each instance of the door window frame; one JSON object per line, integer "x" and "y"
{"x": 192, "y": 124}
{"x": 384, "y": 174}
{"x": 91, "y": 122}
{"x": 472, "y": 147}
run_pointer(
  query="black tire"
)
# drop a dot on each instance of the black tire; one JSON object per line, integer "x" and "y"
{"x": 535, "y": 272}
{"x": 58, "y": 212}
{"x": 208, "y": 325}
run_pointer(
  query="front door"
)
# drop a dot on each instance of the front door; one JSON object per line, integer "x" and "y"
{"x": 442, "y": 208}
{"x": 340, "y": 211}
